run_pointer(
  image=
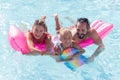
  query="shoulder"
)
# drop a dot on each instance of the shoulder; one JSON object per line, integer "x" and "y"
{"x": 74, "y": 33}
{"x": 74, "y": 36}
{"x": 48, "y": 36}
{"x": 97, "y": 39}
{"x": 29, "y": 34}
{"x": 74, "y": 43}
{"x": 93, "y": 32}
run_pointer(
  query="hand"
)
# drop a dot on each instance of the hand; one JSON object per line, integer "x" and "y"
{"x": 43, "y": 52}
{"x": 57, "y": 50}
{"x": 90, "y": 59}
{"x": 56, "y": 53}
{"x": 56, "y": 15}
{"x": 69, "y": 57}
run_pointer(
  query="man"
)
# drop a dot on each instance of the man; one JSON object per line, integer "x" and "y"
{"x": 83, "y": 32}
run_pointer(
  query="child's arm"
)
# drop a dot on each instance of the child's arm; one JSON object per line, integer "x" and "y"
{"x": 57, "y": 23}
{"x": 57, "y": 50}
{"x": 76, "y": 45}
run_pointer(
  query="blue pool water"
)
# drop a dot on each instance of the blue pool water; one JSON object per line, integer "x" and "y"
{"x": 15, "y": 66}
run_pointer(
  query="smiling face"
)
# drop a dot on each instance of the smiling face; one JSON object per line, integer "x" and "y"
{"x": 39, "y": 28}
{"x": 38, "y": 31}
{"x": 66, "y": 37}
{"x": 82, "y": 27}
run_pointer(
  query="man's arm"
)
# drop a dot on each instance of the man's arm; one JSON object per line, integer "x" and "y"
{"x": 97, "y": 41}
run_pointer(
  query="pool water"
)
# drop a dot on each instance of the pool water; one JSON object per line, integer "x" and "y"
{"x": 15, "y": 66}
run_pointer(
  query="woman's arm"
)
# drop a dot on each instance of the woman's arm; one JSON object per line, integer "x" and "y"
{"x": 31, "y": 45}
{"x": 49, "y": 44}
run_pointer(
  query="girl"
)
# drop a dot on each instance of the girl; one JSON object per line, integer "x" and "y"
{"x": 66, "y": 41}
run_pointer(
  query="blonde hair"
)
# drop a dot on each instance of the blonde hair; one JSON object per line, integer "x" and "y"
{"x": 64, "y": 32}
{"x": 40, "y": 22}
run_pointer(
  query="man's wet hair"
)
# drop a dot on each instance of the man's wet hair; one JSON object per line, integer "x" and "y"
{"x": 84, "y": 20}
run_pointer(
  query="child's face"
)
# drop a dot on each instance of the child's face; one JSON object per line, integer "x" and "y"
{"x": 38, "y": 31}
{"x": 81, "y": 29}
{"x": 66, "y": 39}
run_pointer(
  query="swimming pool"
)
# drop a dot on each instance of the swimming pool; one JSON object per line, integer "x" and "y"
{"x": 15, "y": 66}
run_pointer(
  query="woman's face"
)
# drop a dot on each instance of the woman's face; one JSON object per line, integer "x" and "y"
{"x": 81, "y": 29}
{"x": 38, "y": 31}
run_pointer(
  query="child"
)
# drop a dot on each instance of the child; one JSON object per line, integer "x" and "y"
{"x": 66, "y": 41}
{"x": 38, "y": 35}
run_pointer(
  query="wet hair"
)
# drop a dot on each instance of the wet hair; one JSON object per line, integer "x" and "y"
{"x": 40, "y": 22}
{"x": 64, "y": 31}
{"x": 84, "y": 20}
